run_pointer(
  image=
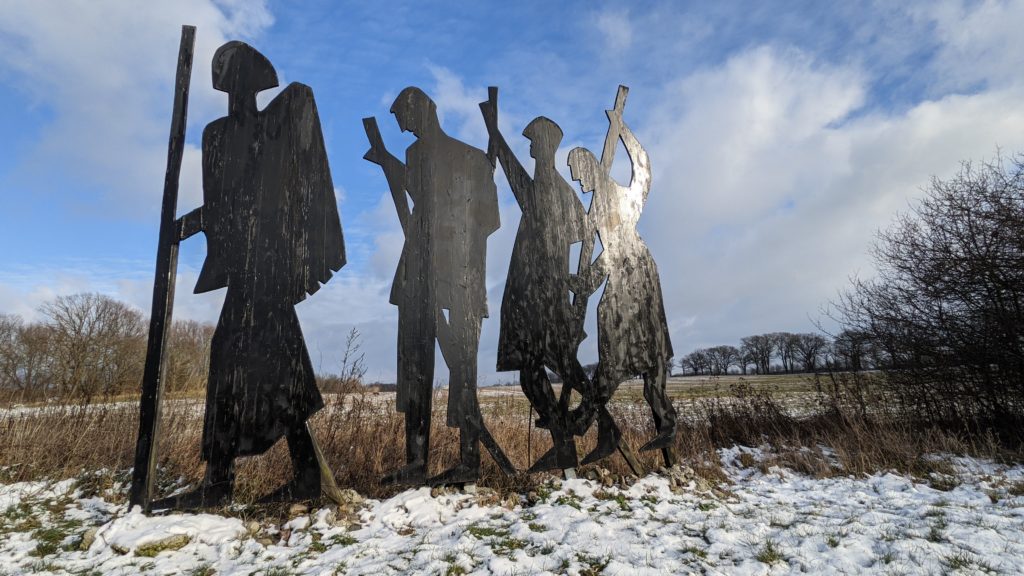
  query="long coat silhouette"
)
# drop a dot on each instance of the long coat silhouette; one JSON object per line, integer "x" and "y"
{"x": 274, "y": 235}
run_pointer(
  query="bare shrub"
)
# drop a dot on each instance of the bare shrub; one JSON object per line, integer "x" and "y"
{"x": 353, "y": 368}
{"x": 945, "y": 315}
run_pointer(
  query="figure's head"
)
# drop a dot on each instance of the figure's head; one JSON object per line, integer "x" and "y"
{"x": 584, "y": 168}
{"x": 415, "y": 111}
{"x": 240, "y": 69}
{"x": 544, "y": 136}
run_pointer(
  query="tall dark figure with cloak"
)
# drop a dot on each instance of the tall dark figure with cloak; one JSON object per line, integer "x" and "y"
{"x": 274, "y": 235}
{"x": 633, "y": 333}
{"x": 541, "y": 327}
{"x": 439, "y": 286}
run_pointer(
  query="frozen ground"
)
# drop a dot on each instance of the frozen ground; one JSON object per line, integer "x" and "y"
{"x": 757, "y": 523}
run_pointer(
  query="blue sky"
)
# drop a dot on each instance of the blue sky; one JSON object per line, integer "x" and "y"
{"x": 782, "y": 136}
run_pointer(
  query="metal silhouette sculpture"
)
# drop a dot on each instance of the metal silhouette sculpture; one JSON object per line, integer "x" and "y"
{"x": 274, "y": 235}
{"x": 633, "y": 333}
{"x": 439, "y": 285}
{"x": 541, "y": 322}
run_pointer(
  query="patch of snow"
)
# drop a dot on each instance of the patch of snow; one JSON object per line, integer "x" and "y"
{"x": 767, "y": 522}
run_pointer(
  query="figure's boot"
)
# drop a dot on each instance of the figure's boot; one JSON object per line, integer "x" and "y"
{"x": 608, "y": 437}
{"x": 664, "y": 413}
{"x": 561, "y": 456}
{"x": 664, "y": 439}
{"x": 216, "y": 489}
{"x": 417, "y": 447}
{"x": 467, "y": 470}
{"x": 305, "y": 482}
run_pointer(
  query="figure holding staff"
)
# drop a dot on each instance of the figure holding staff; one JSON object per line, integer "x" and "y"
{"x": 633, "y": 333}
{"x": 439, "y": 285}
{"x": 541, "y": 328}
{"x": 274, "y": 235}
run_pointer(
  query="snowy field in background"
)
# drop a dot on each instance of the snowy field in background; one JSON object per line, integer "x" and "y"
{"x": 756, "y": 523}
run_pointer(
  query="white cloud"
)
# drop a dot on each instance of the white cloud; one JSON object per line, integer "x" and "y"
{"x": 767, "y": 191}
{"x": 458, "y": 108}
{"x": 980, "y": 42}
{"x": 105, "y": 69}
{"x": 616, "y": 28}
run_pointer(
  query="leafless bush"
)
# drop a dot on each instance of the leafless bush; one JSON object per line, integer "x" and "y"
{"x": 353, "y": 368}
{"x": 188, "y": 357}
{"x": 944, "y": 317}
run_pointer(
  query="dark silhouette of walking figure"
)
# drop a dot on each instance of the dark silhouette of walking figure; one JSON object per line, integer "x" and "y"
{"x": 439, "y": 285}
{"x": 633, "y": 334}
{"x": 541, "y": 327}
{"x": 274, "y": 235}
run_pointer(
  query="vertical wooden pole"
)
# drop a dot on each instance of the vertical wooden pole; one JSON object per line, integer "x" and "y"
{"x": 163, "y": 286}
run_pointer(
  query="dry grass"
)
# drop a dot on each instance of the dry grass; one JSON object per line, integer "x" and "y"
{"x": 362, "y": 438}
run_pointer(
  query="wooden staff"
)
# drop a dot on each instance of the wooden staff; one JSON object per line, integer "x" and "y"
{"x": 144, "y": 472}
{"x": 492, "y": 144}
{"x": 614, "y": 129}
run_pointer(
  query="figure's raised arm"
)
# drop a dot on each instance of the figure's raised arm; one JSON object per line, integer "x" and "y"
{"x": 394, "y": 169}
{"x": 518, "y": 178}
{"x": 641, "y": 165}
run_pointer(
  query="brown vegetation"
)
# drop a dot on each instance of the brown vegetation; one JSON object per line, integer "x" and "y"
{"x": 90, "y": 347}
{"x": 846, "y": 433}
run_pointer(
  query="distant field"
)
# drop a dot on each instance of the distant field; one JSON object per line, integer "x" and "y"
{"x": 794, "y": 391}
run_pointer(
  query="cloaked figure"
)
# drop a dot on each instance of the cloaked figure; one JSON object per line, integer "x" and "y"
{"x": 541, "y": 321}
{"x": 273, "y": 236}
{"x": 439, "y": 286}
{"x": 633, "y": 335}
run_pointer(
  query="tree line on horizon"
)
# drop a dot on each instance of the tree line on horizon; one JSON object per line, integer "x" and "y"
{"x": 942, "y": 320}
{"x": 780, "y": 352}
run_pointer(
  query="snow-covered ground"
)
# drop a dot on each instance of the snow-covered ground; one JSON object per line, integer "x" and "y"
{"x": 756, "y": 523}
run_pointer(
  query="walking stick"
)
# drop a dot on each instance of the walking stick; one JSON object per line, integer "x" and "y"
{"x": 144, "y": 472}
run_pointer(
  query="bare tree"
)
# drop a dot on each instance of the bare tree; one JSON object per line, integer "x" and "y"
{"x": 784, "y": 348}
{"x": 809, "y": 349}
{"x": 10, "y": 329}
{"x": 721, "y": 358}
{"x": 745, "y": 361}
{"x": 759, "y": 349}
{"x": 97, "y": 345}
{"x": 188, "y": 359}
{"x": 945, "y": 314}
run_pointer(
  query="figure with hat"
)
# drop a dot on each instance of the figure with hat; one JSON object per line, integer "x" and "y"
{"x": 273, "y": 236}
{"x": 541, "y": 318}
